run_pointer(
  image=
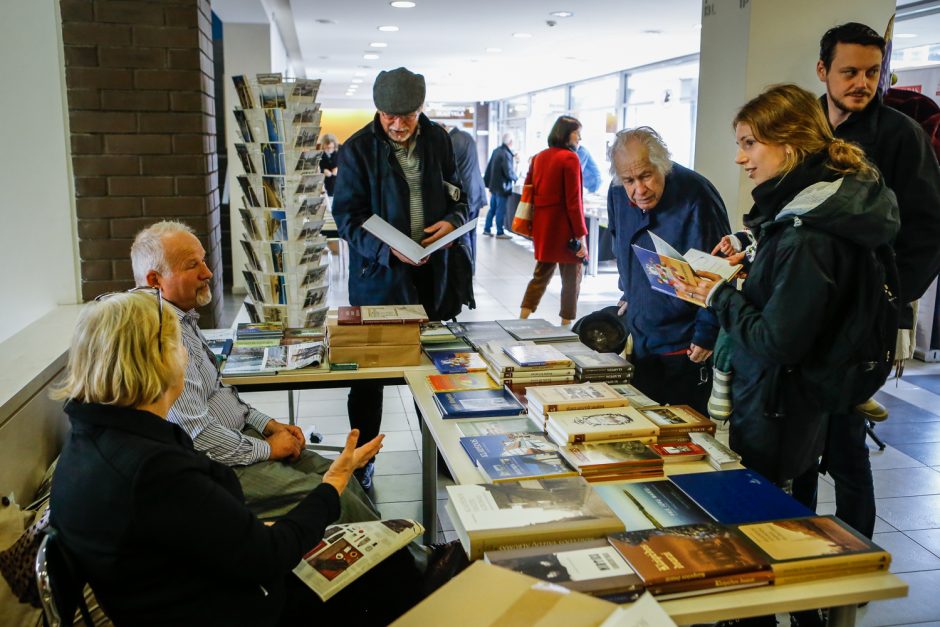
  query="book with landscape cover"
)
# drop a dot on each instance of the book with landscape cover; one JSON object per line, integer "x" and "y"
{"x": 551, "y": 398}
{"x": 349, "y": 550}
{"x": 545, "y": 465}
{"x": 456, "y": 362}
{"x": 505, "y": 445}
{"x": 495, "y": 426}
{"x": 652, "y": 504}
{"x": 602, "y": 456}
{"x": 477, "y": 403}
{"x": 537, "y": 330}
{"x": 815, "y": 547}
{"x": 498, "y": 515}
{"x": 592, "y": 566}
{"x": 666, "y": 266}
{"x": 675, "y": 420}
{"x": 679, "y": 452}
{"x": 534, "y": 355}
{"x": 739, "y": 496}
{"x": 607, "y": 423}
{"x": 461, "y": 382}
{"x": 690, "y": 558}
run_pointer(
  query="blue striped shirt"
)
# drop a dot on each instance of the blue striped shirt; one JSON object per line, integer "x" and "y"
{"x": 211, "y": 413}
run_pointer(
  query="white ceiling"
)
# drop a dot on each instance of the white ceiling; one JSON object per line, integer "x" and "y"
{"x": 446, "y": 40}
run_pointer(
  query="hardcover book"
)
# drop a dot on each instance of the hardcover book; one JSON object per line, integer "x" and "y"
{"x": 551, "y": 398}
{"x": 461, "y": 382}
{"x": 608, "y": 423}
{"x": 491, "y": 516}
{"x": 679, "y": 452}
{"x": 456, "y": 362}
{"x": 632, "y": 394}
{"x": 593, "y": 567}
{"x": 537, "y": 356}
{"x": 546, "y": 465}
{"x": 739, "y": 496}
{"x": 477, "y": 403}
{"x": 693, "y": 557}
{"x": 677, "y": 420}
{"x": 601, "y": 362}
{"x": 597, "y": 456}
{"x": 381, "y": 314}
{"x": 480, "y": 447}
{"x": 495, "y": 427}
{"x": 652, "y": 504}
{"x": 537, "y": 330}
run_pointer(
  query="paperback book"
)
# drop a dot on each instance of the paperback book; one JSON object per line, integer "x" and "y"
{"x": 537, "y": 330}
{"x": 461, "y": 382}
{"x": 480, "y": 447}
{"x": 457, "y": 362}
{"x": 477, "y": 403}
{"x": 401, "y": 242}
{"x": 271, "y": 359}
{"x": 545, "y": 465}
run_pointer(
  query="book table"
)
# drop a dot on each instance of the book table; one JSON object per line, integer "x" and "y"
{"x": 842, "y": 595}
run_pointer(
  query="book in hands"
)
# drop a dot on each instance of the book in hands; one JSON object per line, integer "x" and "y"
{"x": 348, "y": 551}
{"x": 665, "y": 267}
{"x": 409, "y": 248}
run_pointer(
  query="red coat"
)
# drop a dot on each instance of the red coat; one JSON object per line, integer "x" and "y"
{"x": 558, "y": 214}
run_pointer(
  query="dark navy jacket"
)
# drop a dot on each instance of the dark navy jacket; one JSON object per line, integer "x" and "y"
{"x": 468, "y": 169}
{"x": 500, "y": 173}
{"x": 370, "y": 181}
{"x": 690, "y": 214}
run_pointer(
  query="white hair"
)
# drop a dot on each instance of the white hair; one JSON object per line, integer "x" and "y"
{"x": 148, "y": 252}
{"x": 507, "y": 138}
{"x": 656, "y": 150}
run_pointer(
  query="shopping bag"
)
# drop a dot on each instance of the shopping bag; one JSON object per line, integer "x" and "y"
{"x": 522, "y": 221}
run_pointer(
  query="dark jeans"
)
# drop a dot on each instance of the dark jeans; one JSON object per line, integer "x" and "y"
{"x": 846, "y": 460}
{"x": 497, "y": 210}
{"x": 674, "y": 380}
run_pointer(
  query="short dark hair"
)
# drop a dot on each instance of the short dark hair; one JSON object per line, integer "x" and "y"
{"x": 561, "y": 131}
{"x": 849, "y": 33}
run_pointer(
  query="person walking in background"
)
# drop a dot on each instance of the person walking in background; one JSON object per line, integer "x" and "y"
{"x": 558, "y": 229}
{"x": 468, "y": 169}
{"x": 499, "y": 177}
{"x": 590, "y": 173}
{"x": 329, "y": 163}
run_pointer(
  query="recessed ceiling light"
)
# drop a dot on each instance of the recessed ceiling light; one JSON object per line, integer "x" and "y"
{"x": 370, "y": 56}
{"x": 356, "y": 81}
{"x": 905, "y": 35}
{"x": 324, "y": 21}
{"x": 562, "y": 13}
{"x": 388, "y": 29}
{"x": 402, "y": 4}
{"x": 379, "y": 44}
{"x": 494, "y": 49}
{"x": 521, "y": 35}
{"x": 359, "y": 73}
{"x": 652, "y": 31}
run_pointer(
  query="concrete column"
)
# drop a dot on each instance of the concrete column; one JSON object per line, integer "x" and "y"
{"x": 748, "y": 45}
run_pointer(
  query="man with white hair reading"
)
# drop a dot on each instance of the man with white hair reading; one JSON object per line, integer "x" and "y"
{"x": 269, "y": 457}
{"x": 672, "y": 339}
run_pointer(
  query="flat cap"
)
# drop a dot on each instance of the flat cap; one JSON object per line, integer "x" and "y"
{"x": 398, "y": 91}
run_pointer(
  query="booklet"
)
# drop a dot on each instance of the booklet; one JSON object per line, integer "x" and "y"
{"x": 664, "y": 266}
{"x": 407, "y": 246}
{"x": 348, "y": 551}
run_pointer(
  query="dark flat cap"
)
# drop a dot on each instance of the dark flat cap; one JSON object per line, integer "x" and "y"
{"x": 398, "y": 91}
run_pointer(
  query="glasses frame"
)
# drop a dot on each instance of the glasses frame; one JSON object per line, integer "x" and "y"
{"x": 146, "y": 288}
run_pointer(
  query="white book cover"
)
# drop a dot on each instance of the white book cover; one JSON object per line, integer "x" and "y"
{"x": 608, "y": 423}
{"x": 407, "y": 246}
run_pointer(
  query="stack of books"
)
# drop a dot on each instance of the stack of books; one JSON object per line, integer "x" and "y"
{"x": 613, "y": 461}
{"x": 521, "y": 365}
{"x": 548, "y": 398}
{"x": 537, "y": 330}
{"x": 258, "y": 334}
{"x": 515, "y": 457}
{"x": 376, "y": 336}
{"x": 637, "y": 398}
{"x": 602, "y": 367}
{"x": 676, "y": 422}
{"x": 434, "y": 332}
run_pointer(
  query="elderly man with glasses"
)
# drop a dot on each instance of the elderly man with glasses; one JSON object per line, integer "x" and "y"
{"x": 275, "y": 470}
{"x": 401, "y": 168}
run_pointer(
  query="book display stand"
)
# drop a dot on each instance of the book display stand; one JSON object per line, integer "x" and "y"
{"x": 282, "y": 202}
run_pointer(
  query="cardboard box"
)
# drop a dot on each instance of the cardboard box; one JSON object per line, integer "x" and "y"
{"x": 373, "y": 334}
{"x": 484, "y": 595}
{"x": 373, "y": 356}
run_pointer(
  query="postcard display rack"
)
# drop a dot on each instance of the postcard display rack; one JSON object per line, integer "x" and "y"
{"x": 282, "y": 200}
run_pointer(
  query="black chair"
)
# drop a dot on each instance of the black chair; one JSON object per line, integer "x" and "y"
{"x": 61, "y": 588}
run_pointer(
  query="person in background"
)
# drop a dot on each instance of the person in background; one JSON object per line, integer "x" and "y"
{"x": 822, "y": 208}
{"x": 499, "y": 178}
{"x": 468, "y": 169}
{"x": 850, "y": 64}
{"x": 672, "y": 338}
{"x": 160, "y": 531}
{"x": 590, "y": 173}
{"x": 558, "y": 229}
{"x": 400, "y": 167}
{"x": 329, "y": 162}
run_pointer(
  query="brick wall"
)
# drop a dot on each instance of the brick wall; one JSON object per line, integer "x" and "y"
{"x": 142, "y": 117}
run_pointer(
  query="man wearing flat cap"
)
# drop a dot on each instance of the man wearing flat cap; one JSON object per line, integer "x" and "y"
{"x": 401, "y": 168}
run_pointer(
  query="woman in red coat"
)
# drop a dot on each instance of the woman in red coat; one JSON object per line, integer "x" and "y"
{"x": 558, "y": 229}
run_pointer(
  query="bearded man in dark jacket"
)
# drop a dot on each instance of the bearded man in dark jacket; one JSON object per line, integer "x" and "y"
{"x": 401, "y": 168}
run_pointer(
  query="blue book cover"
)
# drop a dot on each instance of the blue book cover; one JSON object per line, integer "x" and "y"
{"x": 521, "y": 467}
{"x": 457, "y": 362}
{"x": 477, "y": 403}
{"x": 739, "y": 496}
{"x": 651, "y": 504}
{"x": 480, "y": 447}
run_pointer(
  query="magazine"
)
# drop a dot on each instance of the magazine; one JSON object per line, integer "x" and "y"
{"x": 347, "y": 551}
{"x": 261, "y": 360}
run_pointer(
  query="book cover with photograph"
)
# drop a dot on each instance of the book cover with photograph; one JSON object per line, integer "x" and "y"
{"x": 477, "y": 403}
{"x": 677, "y": 419}
{"x": 546, "y": 465}
{"x": 607, "y": 423}
{"x": 480, "y": 447}
{"x": 536, "y": 355}
{"x": 679, "y": 452}
{"x": 599, "y": 456}
{"x": 652, "y": 504}
{"x": 456, "y": 362}
{"x": 495, "y": 426}
{"x": 461, "y": 382}
{"x": 537, "y": 330}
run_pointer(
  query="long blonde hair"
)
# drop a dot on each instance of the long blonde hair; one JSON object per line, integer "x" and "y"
{"x": 790, "y": 115}
{"x": 116, "y": 357}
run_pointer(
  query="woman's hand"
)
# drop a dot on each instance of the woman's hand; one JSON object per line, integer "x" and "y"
{"x": 350, "y": 459}
{"x": 700, "y": 290}
{"x": 583, "y": 251}
{"x": 725, "y": 247}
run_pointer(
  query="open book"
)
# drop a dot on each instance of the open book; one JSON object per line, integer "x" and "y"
{"x": 407, "y": 246}
{"x": 347, "y": 551}
{"x": 664, "y": 266}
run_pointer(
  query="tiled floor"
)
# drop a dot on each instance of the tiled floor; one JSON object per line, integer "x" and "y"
{"x": 907, "y": 473}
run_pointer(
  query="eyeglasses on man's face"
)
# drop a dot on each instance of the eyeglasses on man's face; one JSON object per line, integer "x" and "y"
{"x": 152, "y": 290}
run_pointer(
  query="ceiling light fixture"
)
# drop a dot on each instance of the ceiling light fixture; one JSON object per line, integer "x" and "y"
{"x": 371, "y": 56}
{"x": 494, "y": 49}
{"x": 402, "y": 4}
{"x": 905, "y": 35}
{"x": 324, "y": 21}
{"x": 562, "y": 13}
{"x": 521, "y": 35}
{"x": 356, "y": 81}
{"x": 379, "y": 44}
{"x": 388, "y": 29}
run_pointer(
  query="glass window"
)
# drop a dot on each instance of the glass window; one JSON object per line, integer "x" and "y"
{"x": 595, "y": 103}
{"x": 665, "y": 99}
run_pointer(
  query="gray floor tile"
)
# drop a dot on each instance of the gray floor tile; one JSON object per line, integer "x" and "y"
{"x": 911, "y": 512}
{"x": 925, "y": 452}
{"x": 881, "y": 526}
{"x": 401, "y": 509}
{"x": 397, "y": 463}
{"x": 921, "y": 605}
{"x": 902, "y": 411}
{"x": 906, "y": 482}
{"x": 927, "y": 538}
{"x": 900, "y": 433}
{"x": 891, "y": 458}
{"x": 396, "y": 488}
{"x": 906, "y": 554}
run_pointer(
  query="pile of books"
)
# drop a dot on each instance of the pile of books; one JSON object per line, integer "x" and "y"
{"x": 676, "y": 422}
{"x": 523, "y": 364}
{"x": 377, "y": 335}
{"x": 613, "y": 461}
{"x": 602, "y": 367}
{"x": 515, "y": 457}
{"x": 591, "y": 425}
{"x": 549, "y": 398}
{"x": 258, "y": 333}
